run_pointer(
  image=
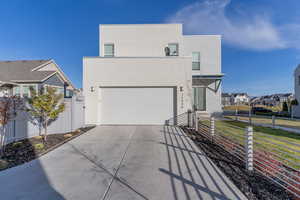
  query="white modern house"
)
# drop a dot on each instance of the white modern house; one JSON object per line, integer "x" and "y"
{"x": 296, "y": 109}
{"x": 148, "y": 73}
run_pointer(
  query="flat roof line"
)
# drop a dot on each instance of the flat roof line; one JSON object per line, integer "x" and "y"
{"x": 140, "y": 24}
{"x": 162, "y": 57}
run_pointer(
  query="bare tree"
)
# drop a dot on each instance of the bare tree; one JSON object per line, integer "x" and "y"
{"x": 9, "y": 107}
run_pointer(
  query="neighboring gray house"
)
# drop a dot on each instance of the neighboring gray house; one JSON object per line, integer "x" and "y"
{"x": 17, "y": 77}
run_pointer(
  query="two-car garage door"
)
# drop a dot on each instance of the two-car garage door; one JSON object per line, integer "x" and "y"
{"x": 136, "y": 105}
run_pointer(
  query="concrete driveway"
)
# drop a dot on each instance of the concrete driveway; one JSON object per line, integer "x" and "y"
{"x": 120, "y": 162}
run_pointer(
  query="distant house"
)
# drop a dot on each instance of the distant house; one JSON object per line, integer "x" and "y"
{"x": 255, "y": 100}
{"x": 273, "y": 99}
{"x": 18, "y": 77}
{"x": 240, "y": 98}
{"x": 226, "y": 99}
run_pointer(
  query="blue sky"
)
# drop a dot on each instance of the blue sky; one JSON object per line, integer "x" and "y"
{"x": 261, "y": 40}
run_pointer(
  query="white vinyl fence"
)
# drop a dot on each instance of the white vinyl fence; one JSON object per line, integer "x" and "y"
{"x": 25, "y": 127}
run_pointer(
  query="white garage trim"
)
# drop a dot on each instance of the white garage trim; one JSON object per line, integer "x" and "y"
{"x": 166, "y": 96}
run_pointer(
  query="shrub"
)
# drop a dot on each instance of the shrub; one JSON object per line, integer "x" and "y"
{"x": 78, "y": 131}
{"x": 68, "y": 135}
{"x": 17, "y": 144}
{"x": 38, "y": 137}
{"x": 39, "y": 146}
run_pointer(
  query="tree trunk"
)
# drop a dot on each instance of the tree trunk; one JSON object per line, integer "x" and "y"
{"x": 45, "y": 133}
{"x": 2, "y": 141}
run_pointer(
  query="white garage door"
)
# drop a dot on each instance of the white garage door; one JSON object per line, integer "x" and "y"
{"x": 136, "y": 105}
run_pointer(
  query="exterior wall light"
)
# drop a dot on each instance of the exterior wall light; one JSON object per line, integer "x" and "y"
{"x": 92, "y": 89}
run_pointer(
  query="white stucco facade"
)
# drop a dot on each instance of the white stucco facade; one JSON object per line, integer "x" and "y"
{"x": 296, "y": 109}
{"x": 140, "y": 61}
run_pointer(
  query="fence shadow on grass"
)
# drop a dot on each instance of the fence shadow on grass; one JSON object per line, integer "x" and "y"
{"x": 253, "y": 184}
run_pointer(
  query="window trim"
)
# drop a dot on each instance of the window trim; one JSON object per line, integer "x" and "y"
{"x": 21, "y": 89}
{"x": 113, "y": 50}
{"x": 177, "y": 48}
{"x": 59, "y": 87}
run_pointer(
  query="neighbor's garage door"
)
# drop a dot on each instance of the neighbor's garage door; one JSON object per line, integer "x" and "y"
{"x": 136, "y": 105}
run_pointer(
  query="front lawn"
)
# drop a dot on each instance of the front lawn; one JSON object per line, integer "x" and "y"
{"x": 283, "y": 143}
{"x": 267, "y": 120}
{"x": 247, "y": 108}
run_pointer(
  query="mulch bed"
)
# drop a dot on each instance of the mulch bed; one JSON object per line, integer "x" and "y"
{"x": 25, "y": 150}
{"x": 254, "y": 185}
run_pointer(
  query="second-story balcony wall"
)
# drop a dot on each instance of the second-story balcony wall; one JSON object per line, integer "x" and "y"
{"x": 144, "y": 40}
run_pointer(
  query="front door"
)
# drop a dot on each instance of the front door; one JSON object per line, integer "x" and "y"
{"x": 199, "y": 94}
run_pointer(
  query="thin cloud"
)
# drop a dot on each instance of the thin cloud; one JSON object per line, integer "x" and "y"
{"x": 258, "y": 33}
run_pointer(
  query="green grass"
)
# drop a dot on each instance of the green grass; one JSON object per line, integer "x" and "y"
{"x": 247, "y": 108}
{"x": 265, "y": 120}
{"x": 236, "y": 131}
{"x": 238, "y": 107}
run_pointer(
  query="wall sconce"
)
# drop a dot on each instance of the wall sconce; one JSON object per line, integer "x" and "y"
{"x": 92, "y": 89}
{"x": 181, "y": 89}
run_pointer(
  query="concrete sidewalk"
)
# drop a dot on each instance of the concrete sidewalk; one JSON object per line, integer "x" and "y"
{"x": 121, "y": 162}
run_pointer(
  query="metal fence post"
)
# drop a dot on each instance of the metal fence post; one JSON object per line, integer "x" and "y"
{"x": 212, "y": 127}
{"x": 249, "y": 148}
{"x": 273, "y": 121}
{"x": 175, "y": 120}
{"x": 189, "y": 118}
{"x": 167, "y": 123}
{"x": 196, "y": 122}
{"x": 250, "y": 117}
{"x": 236, "y": 114}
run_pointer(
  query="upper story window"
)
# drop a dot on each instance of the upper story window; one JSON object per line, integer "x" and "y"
{"x": 109, "y": 50}
{"x": 173, "y": 49}
{"x": 196, "y": 60}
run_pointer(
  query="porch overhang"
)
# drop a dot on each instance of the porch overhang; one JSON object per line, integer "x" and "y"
{"x": 7, "y": 84}
{"x": 212, "y": 82}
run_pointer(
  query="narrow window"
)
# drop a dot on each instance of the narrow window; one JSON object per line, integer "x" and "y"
{"x": 26, "y": 90}
{"x": 196, "y": 60}
{"x": 109, "y": 50}
{"x": 173, "y": 48}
